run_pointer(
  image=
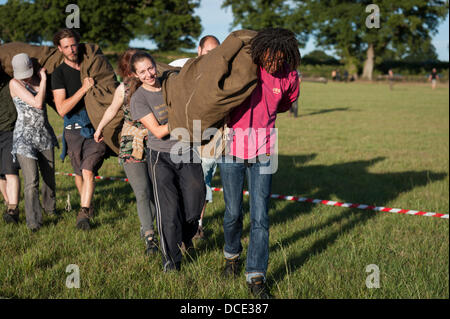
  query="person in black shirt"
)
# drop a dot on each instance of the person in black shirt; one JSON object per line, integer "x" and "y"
{"x": 9, "y": 170}
{"x": 433, "y": 78}
{"x": 78, "y": 137}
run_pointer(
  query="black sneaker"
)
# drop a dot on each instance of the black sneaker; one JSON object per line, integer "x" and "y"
{"x": 51, "y": 213}
{"x": 172, "y": 267}
{"x": 258, "y": 288}
{"x": 151, "y": 245}
{"x": 232, "y": 267}
{"x": 35, "y": 229}
{"x": 11, "y": 216}
{"x": 83, "y": 219}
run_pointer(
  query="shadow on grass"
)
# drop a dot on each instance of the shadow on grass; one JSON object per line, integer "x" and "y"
{"x": 323, "y": 111}
{"x": 350, "y": 182}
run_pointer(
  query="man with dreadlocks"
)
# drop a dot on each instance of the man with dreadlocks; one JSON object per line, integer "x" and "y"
{"x": 251, "y": 149}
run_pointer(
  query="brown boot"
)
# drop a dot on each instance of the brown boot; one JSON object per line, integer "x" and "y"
{"x": 91, "y": 211}
{"x": 11, "y": 215}
{"x": 83, "y": 219}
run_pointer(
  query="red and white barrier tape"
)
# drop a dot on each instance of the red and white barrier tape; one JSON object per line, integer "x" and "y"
{"x": 96, "y": 177}
{"x": 312, "y": 201}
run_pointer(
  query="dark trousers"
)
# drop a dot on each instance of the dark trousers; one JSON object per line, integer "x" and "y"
{"x": 179, "y": 191}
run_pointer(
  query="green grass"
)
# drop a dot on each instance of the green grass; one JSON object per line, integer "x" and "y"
{"x": 356, "y": 142}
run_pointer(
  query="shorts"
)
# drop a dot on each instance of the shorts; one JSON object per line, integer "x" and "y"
{"x": 7, "y": 166}
{"x": 84, "y": 153}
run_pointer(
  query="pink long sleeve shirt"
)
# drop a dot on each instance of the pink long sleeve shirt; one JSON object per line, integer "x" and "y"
{"x": 252, "y": 123}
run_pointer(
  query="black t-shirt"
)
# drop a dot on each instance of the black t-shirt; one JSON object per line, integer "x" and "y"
{"x": 433, "y": 75}
{"x": 65, "y": 77}
{"x": 8, "y": 114}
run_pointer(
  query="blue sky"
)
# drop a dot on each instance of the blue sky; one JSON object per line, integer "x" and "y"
{"x": 217, "y": 21}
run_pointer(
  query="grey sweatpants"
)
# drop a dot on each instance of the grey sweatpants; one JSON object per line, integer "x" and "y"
{"x": 138, "y": 176}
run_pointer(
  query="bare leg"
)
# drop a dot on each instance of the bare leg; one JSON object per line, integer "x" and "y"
{"x": 79, "y": 184}
{"x": 203, "y": 212}
{"x": 3, "y": 190}
{"x": 12, "y": 189}
{"x": 88, "y": 187}
{"x": 200, "y": 233}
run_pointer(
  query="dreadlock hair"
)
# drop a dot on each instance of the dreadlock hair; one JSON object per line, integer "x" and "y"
{"x": 265, "y": 46}
{"x": 135, "y": 58}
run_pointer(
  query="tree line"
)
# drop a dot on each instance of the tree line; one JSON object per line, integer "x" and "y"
{"x": 171, "y": 24}
{"x": 404, "y": 28}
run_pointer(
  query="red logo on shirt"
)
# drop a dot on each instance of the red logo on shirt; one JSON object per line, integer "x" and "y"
{"x": 276, "y": 90}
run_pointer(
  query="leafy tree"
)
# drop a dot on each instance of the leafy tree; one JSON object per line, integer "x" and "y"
{"x": 426, "y": 52}
{"x": 170, "y": 23}
{"x": 404, "y": 26}
{"x": 320, "y": 57}
{"x": 19, "y": 21}
{"x": 110, "y": 23}
{"x": 106, "y": 22}
{"x": 259, "y": 14}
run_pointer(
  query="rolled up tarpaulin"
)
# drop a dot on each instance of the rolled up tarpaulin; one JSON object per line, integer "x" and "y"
{"x": 208, "y": 87}
{"x": 94, "y": 64}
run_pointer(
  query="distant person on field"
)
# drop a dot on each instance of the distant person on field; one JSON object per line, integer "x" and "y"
{"x": 9, "y": 170}
{"x": 206, "y": 44}
{"x": 346, "y": 76}
{"x": 132, "y": 154}
{"x": 78, "y": 136}
{"x": 433, "y": 78}
{"x": 391, "y": 79}
{"x": 333, "y": 75}
{"x": 33, "y": 139}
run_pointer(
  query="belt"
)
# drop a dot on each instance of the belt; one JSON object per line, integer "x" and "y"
{"x": 75, "y": 126}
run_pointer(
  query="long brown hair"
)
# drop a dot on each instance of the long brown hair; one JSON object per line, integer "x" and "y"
{"x": 136, "y": 57}
{"x": 123, "y": 63}
{"x": 124, "y": 71}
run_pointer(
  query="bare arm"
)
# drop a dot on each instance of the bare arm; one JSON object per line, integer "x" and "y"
{"x": 37, "y": 101}
{"x": 63, "y": 105}
{"x": 111, "y": 112}
{"x": 150, "y": 122}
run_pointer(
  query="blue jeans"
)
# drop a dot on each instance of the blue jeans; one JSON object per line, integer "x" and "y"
{"x": 233, "y": 175}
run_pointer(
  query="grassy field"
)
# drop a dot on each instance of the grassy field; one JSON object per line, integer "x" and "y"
{"x": 358, "y": 143}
